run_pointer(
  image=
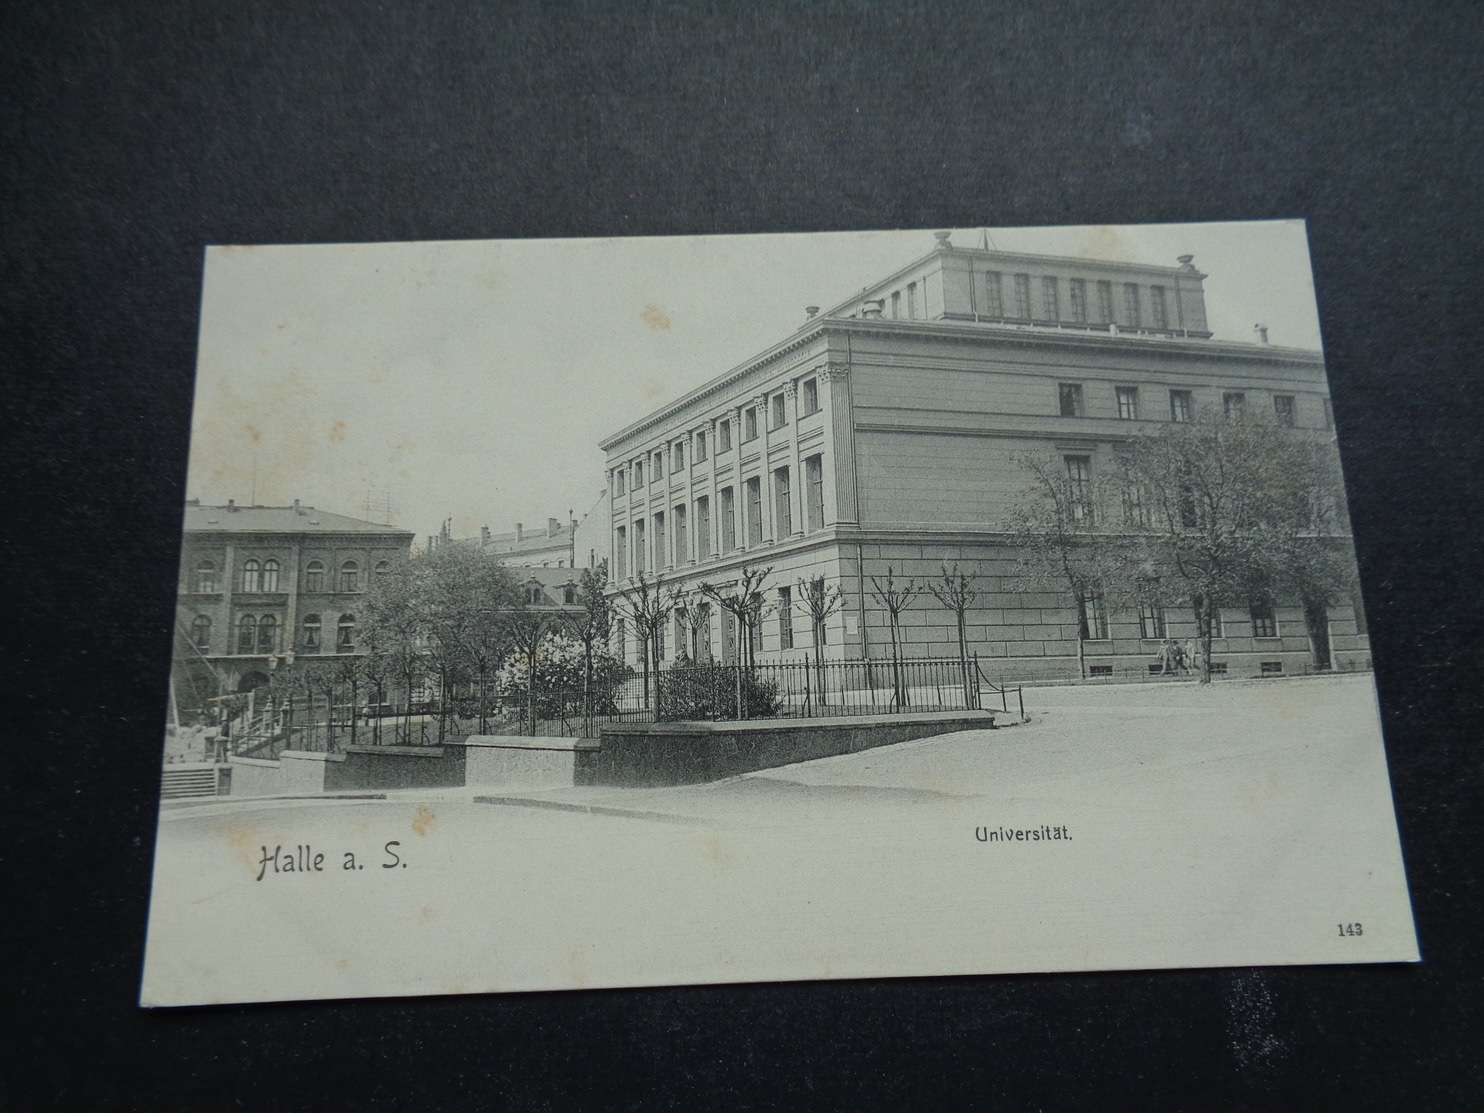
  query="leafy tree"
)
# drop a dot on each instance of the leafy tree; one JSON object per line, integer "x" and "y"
{"x": 707, "y": 692}
{"x": 562, "y": 673}
{"x": 592, "y": 624}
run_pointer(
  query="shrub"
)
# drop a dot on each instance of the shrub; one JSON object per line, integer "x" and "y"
{"x": 708, "y": 692}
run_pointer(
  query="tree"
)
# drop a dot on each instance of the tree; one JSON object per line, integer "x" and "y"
{"x": 744, "y": 600}
{"x": 955, "y": 592}
{"x": 592, "y": 625}
{"x": 894, "y": 599}
{"x": 1238, "y": 510}
{"x": 1058, "y": 545}
{"x": 394, "y": 632}
{"x": 821, "y": 601}
{"x": 648, "y": 604}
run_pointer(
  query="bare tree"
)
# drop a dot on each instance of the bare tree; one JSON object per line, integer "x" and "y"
{"x": 895, "y": 598}
{"x": 1059, "y": 542}
{"x": 745, "y": 602}
{"x": 591, "y": 625}
{"x": 955, "y": 592}
{"x": 648, "y": 604}
{"x": 821, "y": 601}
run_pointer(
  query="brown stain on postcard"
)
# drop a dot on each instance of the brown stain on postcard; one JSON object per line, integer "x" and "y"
{"x": 655, "y": 317}
{"x": 423, "y": 820}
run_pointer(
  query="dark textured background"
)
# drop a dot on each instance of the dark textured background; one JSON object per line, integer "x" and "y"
{"x": 133, "y": 134}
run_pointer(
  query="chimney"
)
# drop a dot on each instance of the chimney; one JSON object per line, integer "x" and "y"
{"x": 1262, "y": 333}
{"x": 942, "y": 239}
{"x": 520, "y": 532}
{"x": 553, "y": 525}
{"x": 231, "y": 505}
{"x": 872, "y": 308}
{"x": 811, "y": 311}
{"x": 484, "y": 535}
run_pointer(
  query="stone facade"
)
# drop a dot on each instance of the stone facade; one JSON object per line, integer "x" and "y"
{"x": 261, "y": 581}
{"x": 885, "y": 432}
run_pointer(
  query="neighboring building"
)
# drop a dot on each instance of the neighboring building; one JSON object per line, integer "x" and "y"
{"x": 551, "y": 547}
{"x": 257, "y": 582}
{"x": 885, "y": 432}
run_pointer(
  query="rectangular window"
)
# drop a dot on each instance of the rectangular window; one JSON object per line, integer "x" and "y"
{"x": 1263, "y": 622}
{"x": 811, "y": 396}
{"x": 1135, "y": 508}
{"x": 1233, "y": 404}
{"x": 1079, "y": 488}
{"x": 755, "y": 630}
{"x": 754, "y": 496}
{"x": 1050, "y": 298}
{"x": 621, "y": 635}
{"x": 785, "y": 618}
{"x": 723, "y": 436}
{"x": 749, "y": 424}
{"x": 1099, "y": 670}
{"x": 782, "y": 510}
{"x": 639, "y": 548}
{"x": 1159, "y": 307}
{"x": 1128, "y": 402}
{"x": 1152, "y": 622}
{"x": 659, "y": 644}
{"x": 994, "y": 295}
{"x": 682, "y": 544}
{"x": 661, "y": 542}
{"x": 1283, "y": 409}
{"x": 1078, "y": 299}
{"x": 703, "y": 526}
{"x": 780, "y": 412}
{"x": 1131, "y": 303}
{"x": 728, "y": 521}
{"x": 1105, "y": 300}
{"x": 911, "y": 300}
{"x": 1022, "y": 295}
{"x": 622, "y": 538}
{"x": 618, "y": 482}
{"x": 700, "y": 446}
{"x": 896, "y": 304}
{"x": 1069, "y": 398}
{"x": 814, "y": 485}
{"x": 638, "y": 475}
{"x": 1182, "y": 407}
{"x": 677, "y": 457}
{"x": 658, "y": 470}
{"x": 1092, "y": 620}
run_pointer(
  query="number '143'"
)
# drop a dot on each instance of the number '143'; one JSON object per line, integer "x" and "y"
{"x": 1347, "y": 929}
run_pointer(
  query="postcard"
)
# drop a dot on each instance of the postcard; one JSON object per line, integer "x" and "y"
{"x": 562, "y": 614}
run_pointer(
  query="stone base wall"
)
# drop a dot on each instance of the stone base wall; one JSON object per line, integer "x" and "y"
{"x": 523, "y": 762}
{"x": 388, "y": 767}
{"x": 666, "y": 755}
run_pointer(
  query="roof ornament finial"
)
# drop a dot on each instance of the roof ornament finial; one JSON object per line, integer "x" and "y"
{"x": 942, "y": 239}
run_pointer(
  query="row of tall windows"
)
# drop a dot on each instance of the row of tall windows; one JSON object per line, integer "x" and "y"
{"x": 264, "y": 576}
{"x": 1071, "y": 403}
{"x": 672, "y": 531}
{"x": 775, "y": 410}
{"x": 258, "y": 635}
{"x": 1047, "y": 303}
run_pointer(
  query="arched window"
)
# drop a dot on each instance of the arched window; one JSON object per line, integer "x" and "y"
{"x": 383, "y": 567}
{"x": 206, "y": 577}
{"x": 252, "y": 576}
{"x": 314, "y": 577}
{"x": 247, "y": 635}
{"x": 201, "y": 632}
{"x": 270, "y": 576}
{"x": 350, "y": 576}
{"x": 267, "y": 630}
{"x": 311, "y": 632}
{"x": 345, "y": 640}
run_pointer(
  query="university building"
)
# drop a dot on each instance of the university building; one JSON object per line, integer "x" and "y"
{"x": 257, "y": 582}
{"x": 887, "y": 431}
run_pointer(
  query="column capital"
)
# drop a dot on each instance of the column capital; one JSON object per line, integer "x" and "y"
{"x": 831, "y": 373}
{"x": 791, "y": 389}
